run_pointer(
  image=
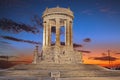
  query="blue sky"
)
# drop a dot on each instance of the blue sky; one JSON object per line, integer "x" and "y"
{"x": 98, "y": 20}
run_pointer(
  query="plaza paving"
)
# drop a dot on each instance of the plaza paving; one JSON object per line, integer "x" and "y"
{"x": 59, "y": 72}
{"x": 46, "y": 78}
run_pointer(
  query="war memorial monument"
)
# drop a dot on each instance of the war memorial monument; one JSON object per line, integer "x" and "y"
{"x": 57, "y": 53}
{"x": 58, "y": 62}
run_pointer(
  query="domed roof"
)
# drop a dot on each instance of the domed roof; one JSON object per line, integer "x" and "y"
{"x": 58, "y": 10}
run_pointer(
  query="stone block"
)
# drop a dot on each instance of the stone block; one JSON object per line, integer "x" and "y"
{"x": 55, "y": 74}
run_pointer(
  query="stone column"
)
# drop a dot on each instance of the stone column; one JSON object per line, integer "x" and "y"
{"x": 47, "y": 34}
{"x": 68, "y": 32}
{"x": 71, "y": 41}
{"x": 57, "y": 31}
{"x": 65, "y": 24}
{"x": 44, "y": 34}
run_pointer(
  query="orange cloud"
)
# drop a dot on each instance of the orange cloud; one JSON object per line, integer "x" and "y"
{"x": 27, "y": 58}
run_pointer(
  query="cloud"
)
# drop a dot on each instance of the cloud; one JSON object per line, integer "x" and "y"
{"x": 19, "y": 40}
{"x": 1, "y": 52}
{"x": 117, "y": 53}
{"x": 104, "y": 9}
{"x": 83, "y": 51}
{"x": 88, "y": 12}
{"x": 87, "y": 40}
{"x": 4, "y": 42}
{"x": 37, "y": 21}
{"x": 5, "y": 57}
{"x": 5, "y": 45}
{"x": 7, "y": 48}
{"x": 108, "y": 10}
{"x": 104, "y": 54}
{"x": 12, "y": 26}
{"x": 75, "y": 45}
{"x": 104, "y": 58}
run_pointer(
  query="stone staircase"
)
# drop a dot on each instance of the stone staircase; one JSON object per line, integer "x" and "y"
{"x": 57, "y": 67}
{"x": 66, "y": 70}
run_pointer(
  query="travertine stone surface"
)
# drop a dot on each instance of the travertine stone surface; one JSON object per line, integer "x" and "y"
{"x": 55, "y": 74}
{"x": 58, "y": 17}
{"x": 35, "y": 60}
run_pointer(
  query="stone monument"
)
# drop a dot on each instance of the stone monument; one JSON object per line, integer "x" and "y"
{"x": 61, "y": 54}
{"x": 58, "y": 62}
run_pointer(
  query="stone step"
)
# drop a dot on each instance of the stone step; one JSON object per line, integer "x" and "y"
{"x": 58, "y": 67}
{"x": 66, "y": 70}
{"x": 63, "y": 74}
{"x": 26, "y": 73}
{"x": 90, "y": 74}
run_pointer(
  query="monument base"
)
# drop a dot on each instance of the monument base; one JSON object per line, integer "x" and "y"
{"x": 59, "y": 70}
{"x": 59, "y": 55}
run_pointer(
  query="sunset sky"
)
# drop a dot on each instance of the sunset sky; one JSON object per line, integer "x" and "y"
{"x": 98, "y": 20}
